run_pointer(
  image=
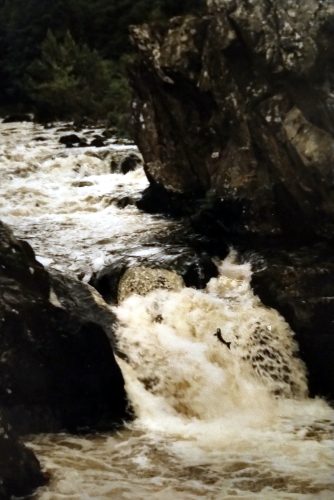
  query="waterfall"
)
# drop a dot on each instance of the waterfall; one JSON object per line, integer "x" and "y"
{"x": 214, "y": 419}
{"x": 177, "y": 364}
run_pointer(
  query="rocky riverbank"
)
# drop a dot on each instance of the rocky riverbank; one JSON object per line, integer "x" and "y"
{"x": 58, "y": 370}
{"x": 233, "y": 114}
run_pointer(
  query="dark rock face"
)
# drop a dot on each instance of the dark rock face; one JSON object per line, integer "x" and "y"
{"x": 20, "y": 471}
{"x": 233, "y": 114}
{"x": 299, "y": 283}
{"x": 237, "y": 105}
{"x": 57, "y": 368}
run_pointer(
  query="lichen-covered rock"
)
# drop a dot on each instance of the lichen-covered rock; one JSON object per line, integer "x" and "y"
{"x": 140, "y": 274}
{"x": 236, "y": 108}
{"x": 57, "y": 367}
{"x": 20, "y": 471}
{"x": 142, "y": 280}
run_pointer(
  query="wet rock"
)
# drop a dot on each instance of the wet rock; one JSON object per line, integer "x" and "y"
{"x": 66, "y": 128}
{"x": 123, "y": 162}
{"x": 237, "y": 106}
{"x": 82, "y": 184}
{"x": 125, "y": 202}
{"x": 72, "y": 141}
{"x": 299, "y": 283}
{"x": 20, "y": 471}
{"x": 143, "y": 280}
{"x": 194, "y": 269}
{"x": 157, "y": 199}
{"x": 98, "y": 142}
{"x": 109, "y": 133}
{"x": 130, "y": 162}
{"x": 18, "y": 117}
{"x": 57, "y": 367}
{"x": 84, "y": 123}
{"x": 233, "y": 114}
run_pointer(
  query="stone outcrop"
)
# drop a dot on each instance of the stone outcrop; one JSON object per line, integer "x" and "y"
{"x": 57, "y": 367}
{"x": 169, "y": 268}
{"x": 20, "y": 471}
{"x": 235, "y": 108}
{"x": 234, "y": 115}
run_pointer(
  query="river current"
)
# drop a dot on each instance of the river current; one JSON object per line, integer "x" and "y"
{"x": 212, "y": 421}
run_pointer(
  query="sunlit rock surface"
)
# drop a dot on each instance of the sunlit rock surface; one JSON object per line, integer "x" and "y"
{"x": 57, "y": 368}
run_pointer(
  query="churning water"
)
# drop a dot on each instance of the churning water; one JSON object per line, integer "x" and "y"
{"x": 214, "y": 420}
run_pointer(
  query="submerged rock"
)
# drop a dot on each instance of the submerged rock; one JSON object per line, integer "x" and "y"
{"x": 20, "y": 471}
{"x": 57, "y": 367}
{"x": 235, "y": 108}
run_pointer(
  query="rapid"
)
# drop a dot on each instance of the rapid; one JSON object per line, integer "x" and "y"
{"x": 213, "y": 420}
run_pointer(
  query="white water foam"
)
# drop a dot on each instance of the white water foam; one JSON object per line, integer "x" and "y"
{"x": 213, "y": 422}
{"x": 169, "y": 340}
{"x": 64, "y": 200}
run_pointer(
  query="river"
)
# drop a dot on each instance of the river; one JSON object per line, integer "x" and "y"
{"x": 213, "y": 421}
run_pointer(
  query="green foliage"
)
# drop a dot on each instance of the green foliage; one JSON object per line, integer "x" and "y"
{"x": 66, "y": 57}
{"x": 70, "y": 80}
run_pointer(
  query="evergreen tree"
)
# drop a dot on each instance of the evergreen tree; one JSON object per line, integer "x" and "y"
{"x": 71, "y": 80}
{"x": 40, "y": 62}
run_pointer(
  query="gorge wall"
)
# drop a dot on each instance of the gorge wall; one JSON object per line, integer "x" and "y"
{"x": 233, "y": 113}
{"x": 236, "y": 107}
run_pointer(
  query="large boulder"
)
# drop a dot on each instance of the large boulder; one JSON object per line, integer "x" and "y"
{"x": 57, "y": 368}
{"x": 165, "y": 268}
{"x": 235, "y": 108}
{"x": 20, "y": 471}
